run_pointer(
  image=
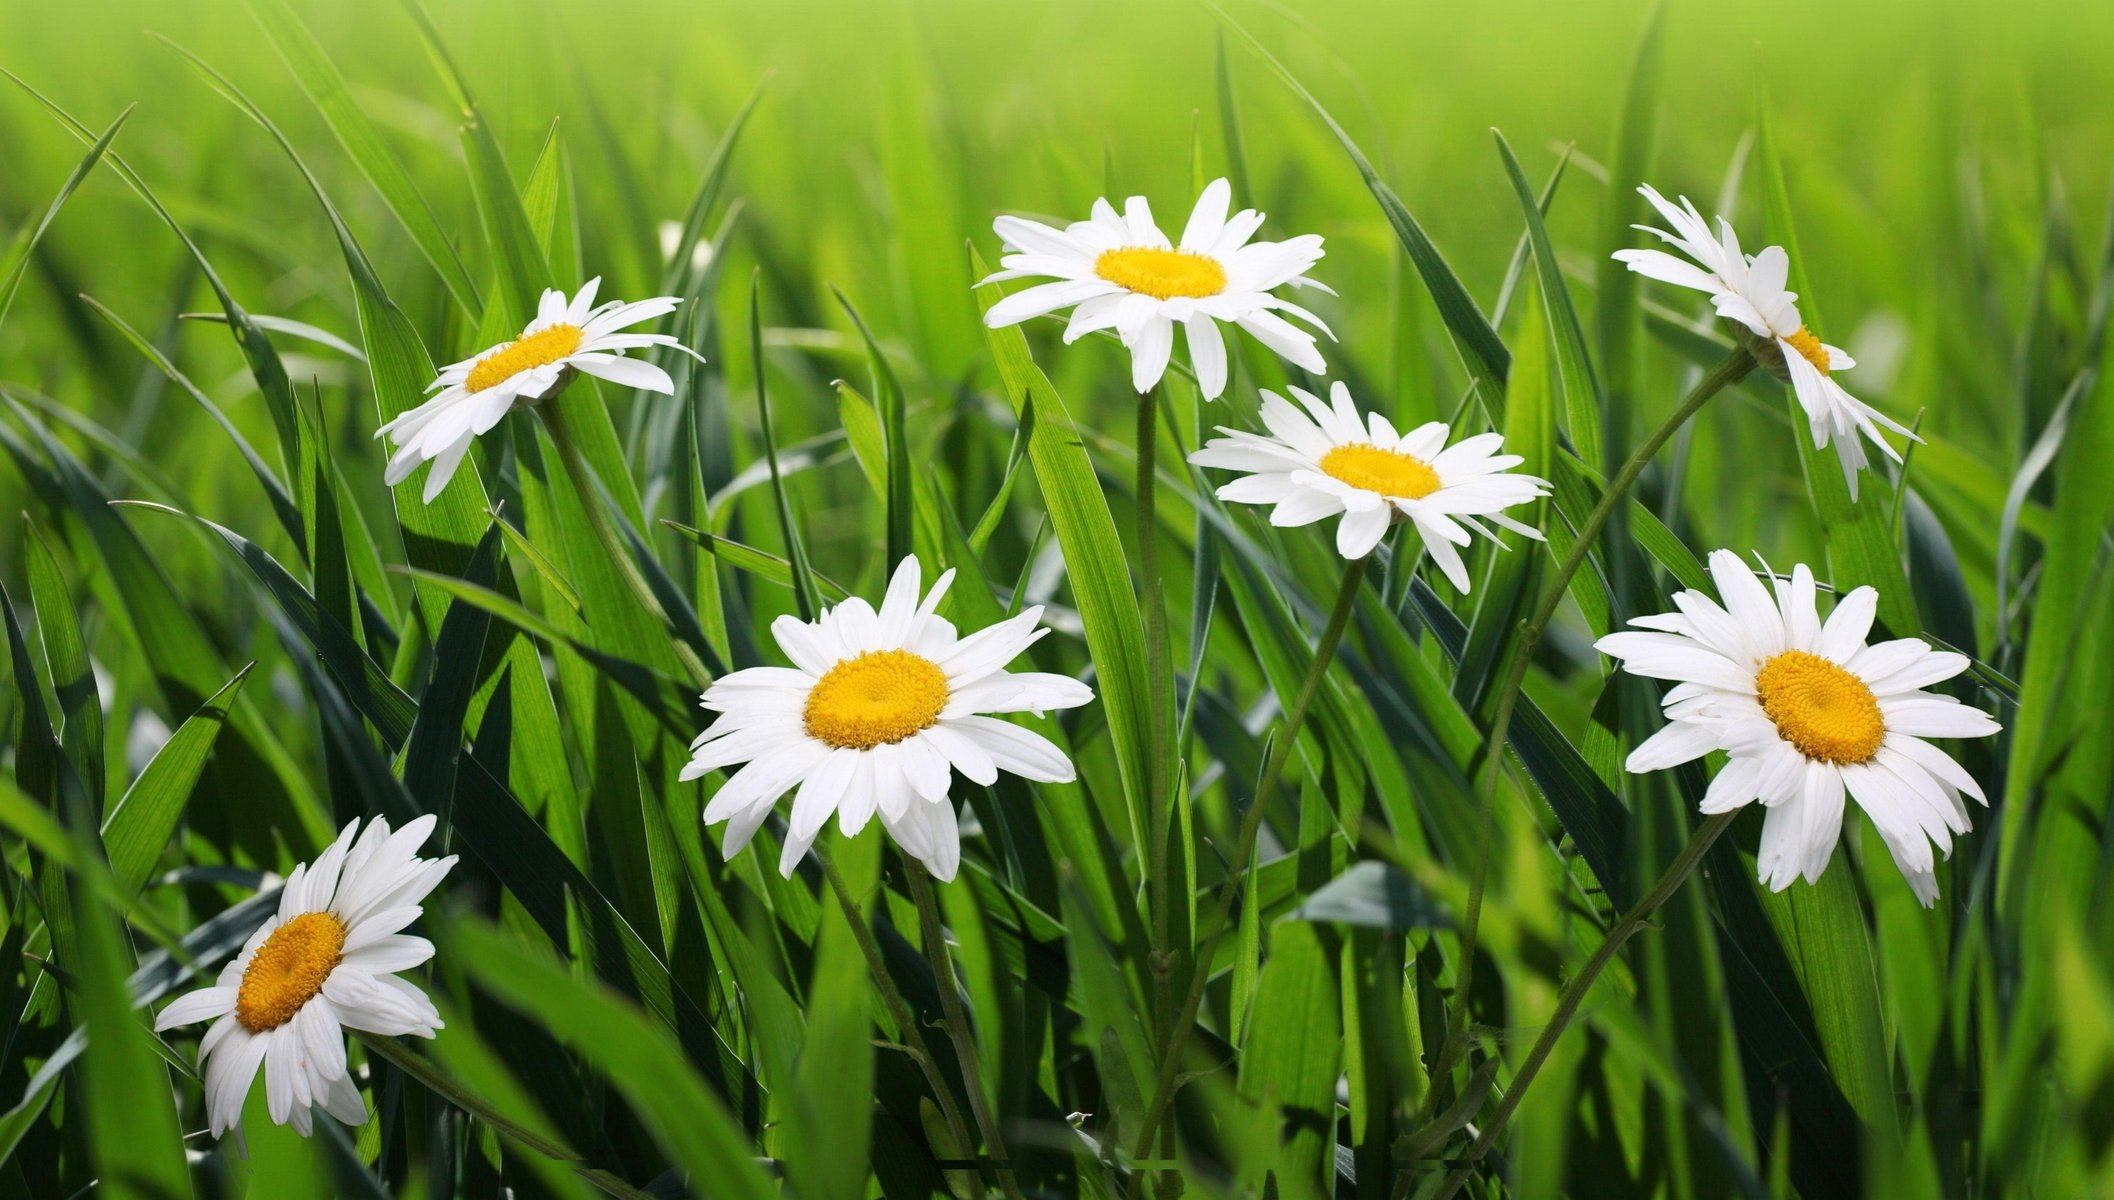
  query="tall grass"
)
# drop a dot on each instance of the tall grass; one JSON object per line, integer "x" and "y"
{"x": 236, "y": 246}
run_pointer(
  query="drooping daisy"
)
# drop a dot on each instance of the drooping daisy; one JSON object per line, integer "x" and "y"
{"x": 1330, "y": 460}
{"x": 1123, "y": 274}
{"x": 1806, "y": 710}
{"x": 325, "y": 963}
{"x": 1748, "y": 290}
{"x": 874, "y": 715}
{"x": 566, "y": 336}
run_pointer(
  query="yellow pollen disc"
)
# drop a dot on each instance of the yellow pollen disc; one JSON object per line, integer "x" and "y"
{"x": 538, "y": 349}
{"x": 1388, "y": 472}
{"x": 1162, "y": 274}
{"x": 878, "y": 698}
{"x": 289, "y": 970}
{"x": 1810, "y": 349}
{"x": 1826, "y": 712}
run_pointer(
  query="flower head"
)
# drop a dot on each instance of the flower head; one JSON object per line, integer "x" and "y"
{"x": 875, "y": 714}
{"x": 566, "y": 336}
{"x": 1806, "y": 710}
{"x": 326, "y": 962}
{"x": 1748, "y": 290}
{"x": 1122, "y": 273}
{"x": 1330, "y": 460}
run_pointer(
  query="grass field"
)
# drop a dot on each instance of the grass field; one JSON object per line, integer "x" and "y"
{"x": 1313, "y": 915}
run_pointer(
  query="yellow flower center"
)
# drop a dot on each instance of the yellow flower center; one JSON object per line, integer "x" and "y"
{"x": 1388, "y": 472}
{"x": 1826, "y": 712}
{"x": 880, "y": 697}
{"x": 538, "y": 349}
{"x": 289, "y": 970}
{"x": 1810, "y": 349}
{"x": 1162, "y": 274}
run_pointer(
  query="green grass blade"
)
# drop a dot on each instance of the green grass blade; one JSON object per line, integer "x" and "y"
{"x": 312, "y": 68}
{"x": 15, "y": 263}
{"x": 142, "y": 820}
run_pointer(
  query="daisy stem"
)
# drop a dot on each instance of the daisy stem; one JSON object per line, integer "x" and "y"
{"x": 1281, "y": 750}
{"x": 584, "y": 482}
{"x": 958, "y": 1022}
{"x": 906, "y": 1021}
{"x": 1574, "y": 993}
{"x": 1159, "y": 702}
{"x": 1731, "y": 370}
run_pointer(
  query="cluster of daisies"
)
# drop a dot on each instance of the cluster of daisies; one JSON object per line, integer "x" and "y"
{"x": 880, "y": 708}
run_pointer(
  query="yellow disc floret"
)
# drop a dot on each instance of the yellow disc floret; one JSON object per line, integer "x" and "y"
{"x": 1810, "y": 349}
{"x": 1823, "y": 710}
{"x": 289, "y": 970}
{"x": 1162, "y": 274}
{"x": 878, "y": 698}
{"x": 1388, "y": 472}
{"x": 531, "y": 350}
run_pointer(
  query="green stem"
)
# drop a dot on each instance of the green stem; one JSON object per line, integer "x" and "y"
{"x": 1731, "y": 370}
{"x": 1251, "y": 824}
{"x": 1159, "y": 693}
{"x": 899, "y": 1011}
{"x": 584, "y": 483}
{"x": 958, "y": 1022}
{"x": 1574, "y": 993}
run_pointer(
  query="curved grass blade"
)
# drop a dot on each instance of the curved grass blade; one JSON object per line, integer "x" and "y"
{"x": 140, "y": 823}
{"x": 1481, "y": 350}
{"x": 16, "y": 261}
{"x": 638, "y": 1057}
{"x": 319, "y": 79}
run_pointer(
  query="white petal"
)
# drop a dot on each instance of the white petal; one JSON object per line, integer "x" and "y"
{"x": 1020, "y": 751}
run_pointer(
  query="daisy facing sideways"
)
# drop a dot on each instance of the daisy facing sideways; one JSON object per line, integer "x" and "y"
{"x": 1120, "y": 272}
{"x": 1329, "y": 460}
{"x": 1748, "y": 290}
{"x": 1806, "y": 710}
{"x": 566, "y": 336}
{"x": 877, "y": 712}
{"x": 325, "y": 963}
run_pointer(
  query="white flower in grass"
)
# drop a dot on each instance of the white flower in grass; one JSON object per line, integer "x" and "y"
{"x": 325, "y": 963}
{"x": 1748, "y": 290}
{"x": 875, "y": 714}
{"x": 1123, "y": 274}
{"x": 1805, "y": 710}
{"x": 1330, "y": 460}
{"x": 566, "y": 336}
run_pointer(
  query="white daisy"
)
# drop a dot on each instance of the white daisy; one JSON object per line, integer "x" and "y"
{"x": 324, "y": 964}
{"x": 1748, "y": 290}
{"x": 1124, "y": 274}
{"x": 566, "y": 336}
{"x": 1805, "y": 710}
{"x": 1330, "y": 460}
{"x": 874, "y": 714}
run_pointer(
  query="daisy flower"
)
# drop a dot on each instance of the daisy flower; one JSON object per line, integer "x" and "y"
{"x": 874, "y": 715}
{"x": 1805, "y": 711}
{"x": 1748, "y": 290}
{"x": 325, "y": 963}
{"x": 1123, "y": 274}
{"x": 1330, "y": 460}
{"x": 566, "y": 336}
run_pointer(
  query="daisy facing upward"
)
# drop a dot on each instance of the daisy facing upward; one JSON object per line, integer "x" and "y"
{"x": 877, "y": 712}
{"x": 1120, "y": 272}
{"x": 1805, "y": 711}
{"x": 1748, "y": 290}
{"x": 325, "y": 963}
{"x": 566, "y": 336}
{"x": 1330, "y": 460}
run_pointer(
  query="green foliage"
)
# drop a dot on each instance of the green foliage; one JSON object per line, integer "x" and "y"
{"x": 224, "y": 263}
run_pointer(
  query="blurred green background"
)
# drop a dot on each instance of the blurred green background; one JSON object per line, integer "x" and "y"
{"x": 1928, "y": 146}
